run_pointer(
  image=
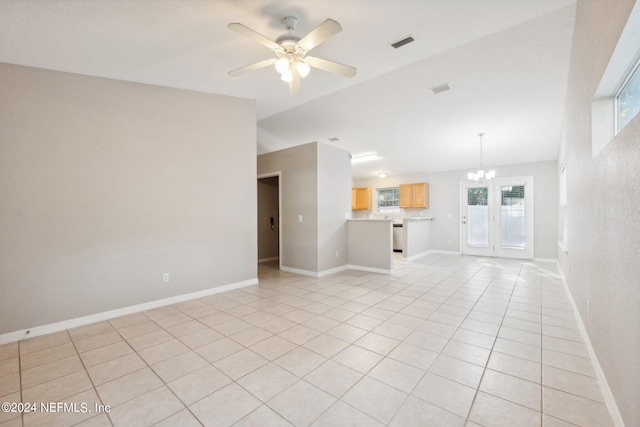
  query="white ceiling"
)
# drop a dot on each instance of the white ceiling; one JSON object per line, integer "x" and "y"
{"x": 506, "y": 62}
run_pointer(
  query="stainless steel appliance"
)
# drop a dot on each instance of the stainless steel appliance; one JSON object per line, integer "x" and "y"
{"x": 397, "y": 237}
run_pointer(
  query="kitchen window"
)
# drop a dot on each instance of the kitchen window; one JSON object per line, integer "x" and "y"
{"x": 388, "y": 200}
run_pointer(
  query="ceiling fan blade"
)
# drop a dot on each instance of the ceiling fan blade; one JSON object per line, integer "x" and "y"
{"x": 330, "y": 66}
{"x": 320, "y": 34}
{"x": 295, "y": 87}
{"x": 248, "y": 32}
{"x": 252, "y": 67}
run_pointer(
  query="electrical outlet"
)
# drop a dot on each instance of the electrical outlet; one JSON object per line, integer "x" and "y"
{"x": 299, "y": 218}
{"x": 588, "y": 306}
{"x": 337, "y": 253}
{"x": 165, "y": 278}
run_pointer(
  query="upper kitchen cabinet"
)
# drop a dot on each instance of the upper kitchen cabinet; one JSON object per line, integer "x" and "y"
{"x": 414, "y": 195}
{"x": 361, "y": 198}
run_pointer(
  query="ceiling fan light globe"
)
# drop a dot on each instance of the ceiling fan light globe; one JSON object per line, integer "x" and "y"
{"x": 282, "y": 65}
{"x": 303, "y": 69}
{"x": 287, "y": 76}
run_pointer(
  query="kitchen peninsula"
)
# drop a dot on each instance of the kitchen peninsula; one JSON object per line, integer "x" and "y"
{"x": 370, "y": 242}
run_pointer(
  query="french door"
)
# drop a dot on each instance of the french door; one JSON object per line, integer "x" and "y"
{"x": 497, "y": 218}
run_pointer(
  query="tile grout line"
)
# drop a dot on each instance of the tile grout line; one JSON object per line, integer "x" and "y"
{"x": 440, "y": 352}
{"x": 383, "y": 358}
{"x": 398, "y": 289}
{"x": 87, "y": 371}
{"x": 157, "y": 375}
{"x": 541, "y": 357}
{"x": 475, "y": 395}
{"x": 339, "y": 399}
{"x": 427, "y": 319}
{"x": 20, "y": 376}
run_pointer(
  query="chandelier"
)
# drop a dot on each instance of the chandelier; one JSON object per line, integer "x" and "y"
{"x": 480, "y": 175}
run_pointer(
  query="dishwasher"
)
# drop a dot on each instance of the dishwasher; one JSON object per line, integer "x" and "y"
{"x": 397, "y": 237}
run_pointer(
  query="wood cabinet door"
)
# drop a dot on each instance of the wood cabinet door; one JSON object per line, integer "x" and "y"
{"x": 419, "y": 192}
{"x": 364, "y": 198}
{"x": 360, "y": 198}
{"x": 406, "y": 195}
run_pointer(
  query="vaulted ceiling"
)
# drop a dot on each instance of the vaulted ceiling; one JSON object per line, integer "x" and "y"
{"x": 505, "y": 61}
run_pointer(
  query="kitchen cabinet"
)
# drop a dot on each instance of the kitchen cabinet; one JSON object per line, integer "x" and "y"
{"x": 414, "y": 195}
{"x": 361, "y": 198}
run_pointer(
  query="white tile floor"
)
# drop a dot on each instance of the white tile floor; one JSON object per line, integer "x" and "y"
{"x": 447, "y": 340}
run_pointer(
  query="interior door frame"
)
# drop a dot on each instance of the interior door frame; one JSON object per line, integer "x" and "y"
{"x": 494, "y": 248}
{"x": 279, "y": 175}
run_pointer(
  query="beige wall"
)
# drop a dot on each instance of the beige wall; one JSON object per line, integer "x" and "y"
{"x": 604, "y": 204}
{"x": 444, "y": 201}
{"x": 299, "y": 195}
{"x": 315, "y": 182}
{"x": 370, "y": 245}
{"x": 106, "y": 185}
{"x": 334, "y": 202}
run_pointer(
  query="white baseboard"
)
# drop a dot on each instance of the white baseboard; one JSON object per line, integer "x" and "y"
{"x": 98, "y": 317}
{"x": 607, "y": 394}
{"x": 438, "y": 251}
{"x": 299, "y": 271}
{"x": 273, "y": 258}
{"x": 416, "y": 256}
{"x": 545, "y": 260}
{"x": 313, "y": 273}
{"x": 370, "y": 269}
{"x": 332, "y": 271}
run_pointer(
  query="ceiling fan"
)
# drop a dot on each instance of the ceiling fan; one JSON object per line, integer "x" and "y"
{"x": 291, "y": 61}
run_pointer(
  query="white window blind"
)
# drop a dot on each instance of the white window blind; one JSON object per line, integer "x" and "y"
{"x": 478, "y": 217}
{"x": 513, "y": 224}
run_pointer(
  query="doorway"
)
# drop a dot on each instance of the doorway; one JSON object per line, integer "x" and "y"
{"x": 269, "y": 219}
{"x": 497, "y": 218}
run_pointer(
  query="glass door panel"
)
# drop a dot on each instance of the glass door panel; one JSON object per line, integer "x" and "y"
{"x": 514, "y": 211}
{"x": 512, "y": 224}
{"x": 476, "y": 219}
{"x": 507, "y": 203}
{"x": 478, "y": 216}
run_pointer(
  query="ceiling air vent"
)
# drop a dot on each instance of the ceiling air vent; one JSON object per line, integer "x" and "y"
{"x": 440, "y": 88}
{"x": 402, "y": 42}
{"x": 334, "y": 139}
